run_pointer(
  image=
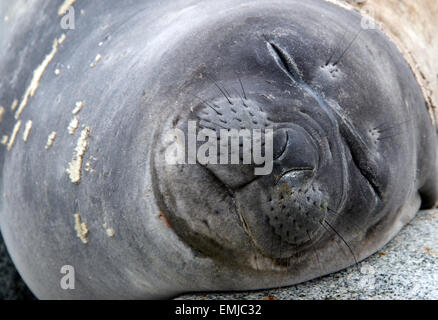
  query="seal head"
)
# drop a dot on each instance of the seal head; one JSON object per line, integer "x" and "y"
{"x": 334, "y": 106}
{"x": 341, "y": 119}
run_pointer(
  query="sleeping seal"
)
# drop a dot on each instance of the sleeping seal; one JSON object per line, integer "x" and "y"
{"x": 84, "y": 178}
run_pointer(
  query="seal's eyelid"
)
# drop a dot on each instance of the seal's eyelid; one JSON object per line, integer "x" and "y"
{"x": 359, "y": 151}
{"x": 285, "y": 62}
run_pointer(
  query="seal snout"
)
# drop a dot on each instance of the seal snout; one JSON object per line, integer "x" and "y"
{"x": 292, "y": 204}
{"x": 295, "y": 154}
{"x": 296, "y": 204}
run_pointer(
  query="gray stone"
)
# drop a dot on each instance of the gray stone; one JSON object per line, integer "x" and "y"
{"x": 406, "y": 268}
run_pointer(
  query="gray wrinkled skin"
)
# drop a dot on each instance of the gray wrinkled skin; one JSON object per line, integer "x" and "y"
{"x": 354, "y": 148}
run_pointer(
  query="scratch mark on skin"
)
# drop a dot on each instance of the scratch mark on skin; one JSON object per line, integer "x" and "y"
{"x": 14, "y": 135}
{"x": 64, "y": 7}
{"x": 75, "y": 166}
{"x": 62, "y": 38}
{"x": 79, "y": 105}
{"x": 74, "y": 124}
{"x": 109, "y": 231}
{"x": 2, "y": 112}
{"x": 96, "y": 60}
{"x": 37, "y": 74}
{"x": 50, "y": 140}
{"x": 14, "y": 105}
{"x": 27, "y": 130}
{"x": 89, "y": 168}
{"x": 88, "y": 165}
{"x": 4, "y": 140}
{"x": 81, "y": 228}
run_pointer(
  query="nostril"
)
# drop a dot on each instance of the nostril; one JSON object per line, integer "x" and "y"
{"x": 296, "y": 177}
{"x": 296, "y": 158}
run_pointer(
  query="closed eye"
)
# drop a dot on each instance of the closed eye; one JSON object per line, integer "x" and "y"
{"x": 366, "y": 166}
{"x": 360, "y": 154}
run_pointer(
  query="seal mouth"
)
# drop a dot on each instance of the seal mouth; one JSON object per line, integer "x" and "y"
{"x": 294, "y": 174}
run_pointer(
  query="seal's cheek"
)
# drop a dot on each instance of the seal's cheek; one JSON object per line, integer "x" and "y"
{"x": 201, "y": 210}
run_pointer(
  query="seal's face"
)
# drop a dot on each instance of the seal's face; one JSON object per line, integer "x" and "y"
{"x": 330, "y": 176}
{"x": 289, "y": 209}
{"x": 342, "y": 124}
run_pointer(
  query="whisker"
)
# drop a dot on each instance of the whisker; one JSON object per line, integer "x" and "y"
{"x": 222, "y": 90}
{"x": 337, "y": 243}
{"x": 339, "y": 215}
{"x": 334, "y": 50}
{"x": 387, "y": 129}
{"x": 348, "y": 48}
{"x": 392, "y": 126}
{"x": 343, "y": 240}
{"x": 207, "y": 104}
{"x": 256, "y": 262}
{"x": 243, "y": 89}
{"x": 314, "y": 251}
{"x": 239, "y": 95}
{"x": 391, "y": 136}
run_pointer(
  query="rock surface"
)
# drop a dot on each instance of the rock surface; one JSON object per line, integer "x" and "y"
{"x": 406, "y": 268}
